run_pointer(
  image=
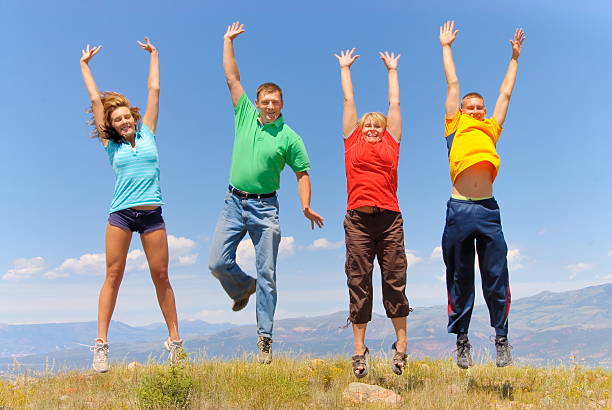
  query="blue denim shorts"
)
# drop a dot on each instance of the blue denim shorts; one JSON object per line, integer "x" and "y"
{"x": 137, "y": 221}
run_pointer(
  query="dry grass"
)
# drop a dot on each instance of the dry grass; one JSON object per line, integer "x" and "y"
{"x": 286, "y": 383}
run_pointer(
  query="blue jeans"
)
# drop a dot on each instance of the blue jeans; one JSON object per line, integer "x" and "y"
{"x": 258, "y": 217}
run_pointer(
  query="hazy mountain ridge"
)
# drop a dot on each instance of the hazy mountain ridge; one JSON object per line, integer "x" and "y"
{"x": 548, "y": 328}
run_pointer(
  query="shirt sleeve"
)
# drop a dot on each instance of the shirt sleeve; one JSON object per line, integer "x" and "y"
{"x": 451, "y": 124}
{"x": 297, "y": 157}
{"x": 243, "y": 111}
{"x": 147, "y": 131}
{"x": 496, "y": 129}
{"x": 350, "y": 140}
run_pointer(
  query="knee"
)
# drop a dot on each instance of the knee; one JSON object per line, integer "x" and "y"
{"x": 160, "y": 276}
{"x": 113, "y": 277}
{"x": 218, "y": 266}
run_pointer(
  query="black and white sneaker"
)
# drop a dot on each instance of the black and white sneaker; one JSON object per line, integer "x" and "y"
{"x": 264, "y": 345}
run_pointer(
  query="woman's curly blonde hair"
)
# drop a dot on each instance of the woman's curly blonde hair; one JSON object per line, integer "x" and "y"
{"x": 111, "y": 101}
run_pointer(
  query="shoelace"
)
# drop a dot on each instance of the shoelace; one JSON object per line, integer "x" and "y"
{"x": 264, "y": 345}
{"x": 462, "y": 347}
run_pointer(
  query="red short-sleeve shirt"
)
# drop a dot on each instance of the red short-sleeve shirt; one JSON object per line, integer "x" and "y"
{"x": 371, "y": 171}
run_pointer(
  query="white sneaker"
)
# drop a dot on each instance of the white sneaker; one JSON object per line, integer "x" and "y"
{"x": 175, "y": 348}
{"x": 100, "y": 357}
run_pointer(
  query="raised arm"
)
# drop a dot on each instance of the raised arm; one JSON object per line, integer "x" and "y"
{"x": 394, "y": 117}
{"x": 94, "y": 95}
{"x": 349, "y": 113}
{"x": 505, "y": 91}
{"x": 447, "y": 36}
{"x": 151, "y": 114}
{"x": 303, "y": 180}
{"x": 230, "y": 66}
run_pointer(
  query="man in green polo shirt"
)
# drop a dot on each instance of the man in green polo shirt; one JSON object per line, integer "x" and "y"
{"x": 263, "y": 144}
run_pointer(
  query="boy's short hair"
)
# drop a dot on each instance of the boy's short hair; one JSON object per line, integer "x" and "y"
{"x": 378, "y": 117}
{"x": 268, "y": 88}
{"x": 472, "y": 94}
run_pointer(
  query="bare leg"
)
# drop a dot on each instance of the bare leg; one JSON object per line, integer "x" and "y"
{"x": 399, "y": 323}
{"x": 359, "y": 331}
{"x": 155, "y": 245}
{"x": 117, "y": 245}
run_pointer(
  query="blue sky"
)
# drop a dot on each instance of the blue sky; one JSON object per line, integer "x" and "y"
{"x": 554, "y": 185}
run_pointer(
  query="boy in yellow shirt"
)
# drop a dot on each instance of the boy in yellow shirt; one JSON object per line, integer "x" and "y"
{"x": 472, "y": 217}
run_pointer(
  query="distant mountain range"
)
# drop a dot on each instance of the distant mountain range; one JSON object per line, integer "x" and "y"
{"x": 545, "y": 329}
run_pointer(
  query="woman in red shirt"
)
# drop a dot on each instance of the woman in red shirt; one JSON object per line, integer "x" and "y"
{"x": 373, "y": 224}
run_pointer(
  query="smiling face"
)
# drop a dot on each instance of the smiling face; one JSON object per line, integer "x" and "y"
{"x": 372, "y": 126}
{"x": 372, "y": 130}
{"x": 474, "y": 107}
{"x": 123, "y": 122}
{"x": 269, "y": 105}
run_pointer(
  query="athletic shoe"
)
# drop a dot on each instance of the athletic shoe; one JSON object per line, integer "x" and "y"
{"x": 241, "y": 303}
{"x": 100, "y": 357}
{"x": 175, "y": 348}
{"x": 464, "y": 352}
{"x": 504, "y": 352}
{"x": 264, "y": 345}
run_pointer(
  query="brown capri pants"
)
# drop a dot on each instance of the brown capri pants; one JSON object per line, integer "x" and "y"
{"x": 379, "y": 234}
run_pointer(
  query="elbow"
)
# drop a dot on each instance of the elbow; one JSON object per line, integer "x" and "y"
{"x": 452, "y": 82}
{"x": 505, "y": 94}
{"x": 154, "y": 88}
{"x": 232, "y": 79}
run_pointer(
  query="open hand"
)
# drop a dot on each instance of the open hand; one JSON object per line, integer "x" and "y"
{"x": 448, "y": 33}
{"x": 517, "y": 43}
{"x": 147, "y": 46}
{"x": 390, "y": 60}
{"x": 234, "y": 30}
{"x": 314, "y": 218}
{"x": 346, "y": 57}
{"x": 88, "y": 53}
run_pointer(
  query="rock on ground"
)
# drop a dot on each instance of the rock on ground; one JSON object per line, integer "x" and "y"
{"x": 369, "y": 393}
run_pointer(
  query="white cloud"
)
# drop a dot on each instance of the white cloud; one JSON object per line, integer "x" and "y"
{"x": 608, "y": 277}
{"x": 436, "y": 253}
{"x": 25, "y": 268}
{"x": 610, "y": 254}
{"x": 323, "y": 243}
{"x": 180, "y": 251}
{"x": 578, "y": 267}
{"x": 245, "y": 254}
{"x": 515, "y": 259}
{"x": 412, "y": 258}
{"x": 87, "y": 264}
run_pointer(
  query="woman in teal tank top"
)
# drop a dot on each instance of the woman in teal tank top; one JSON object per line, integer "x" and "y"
{"x": 137, "y": 200}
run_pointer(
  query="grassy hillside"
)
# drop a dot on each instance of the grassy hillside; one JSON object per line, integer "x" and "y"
{"x": 211, "y": 384}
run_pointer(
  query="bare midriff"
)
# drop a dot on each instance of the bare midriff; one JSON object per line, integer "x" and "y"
{"x": 145, "y": 207}
{"x": 475, "y": 181}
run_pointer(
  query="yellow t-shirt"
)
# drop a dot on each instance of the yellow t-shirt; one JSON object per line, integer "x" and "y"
{"x": 470, "y": 141}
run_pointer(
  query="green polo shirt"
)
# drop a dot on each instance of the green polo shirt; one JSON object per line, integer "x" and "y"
{"x": 261, "y": 151}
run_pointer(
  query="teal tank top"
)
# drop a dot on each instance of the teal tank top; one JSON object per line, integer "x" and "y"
{"x": 136, "y": 171}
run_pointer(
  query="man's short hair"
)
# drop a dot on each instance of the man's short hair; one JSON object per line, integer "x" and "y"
{"x": 472, "y": 94}
{"x": 269, "y": 88}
